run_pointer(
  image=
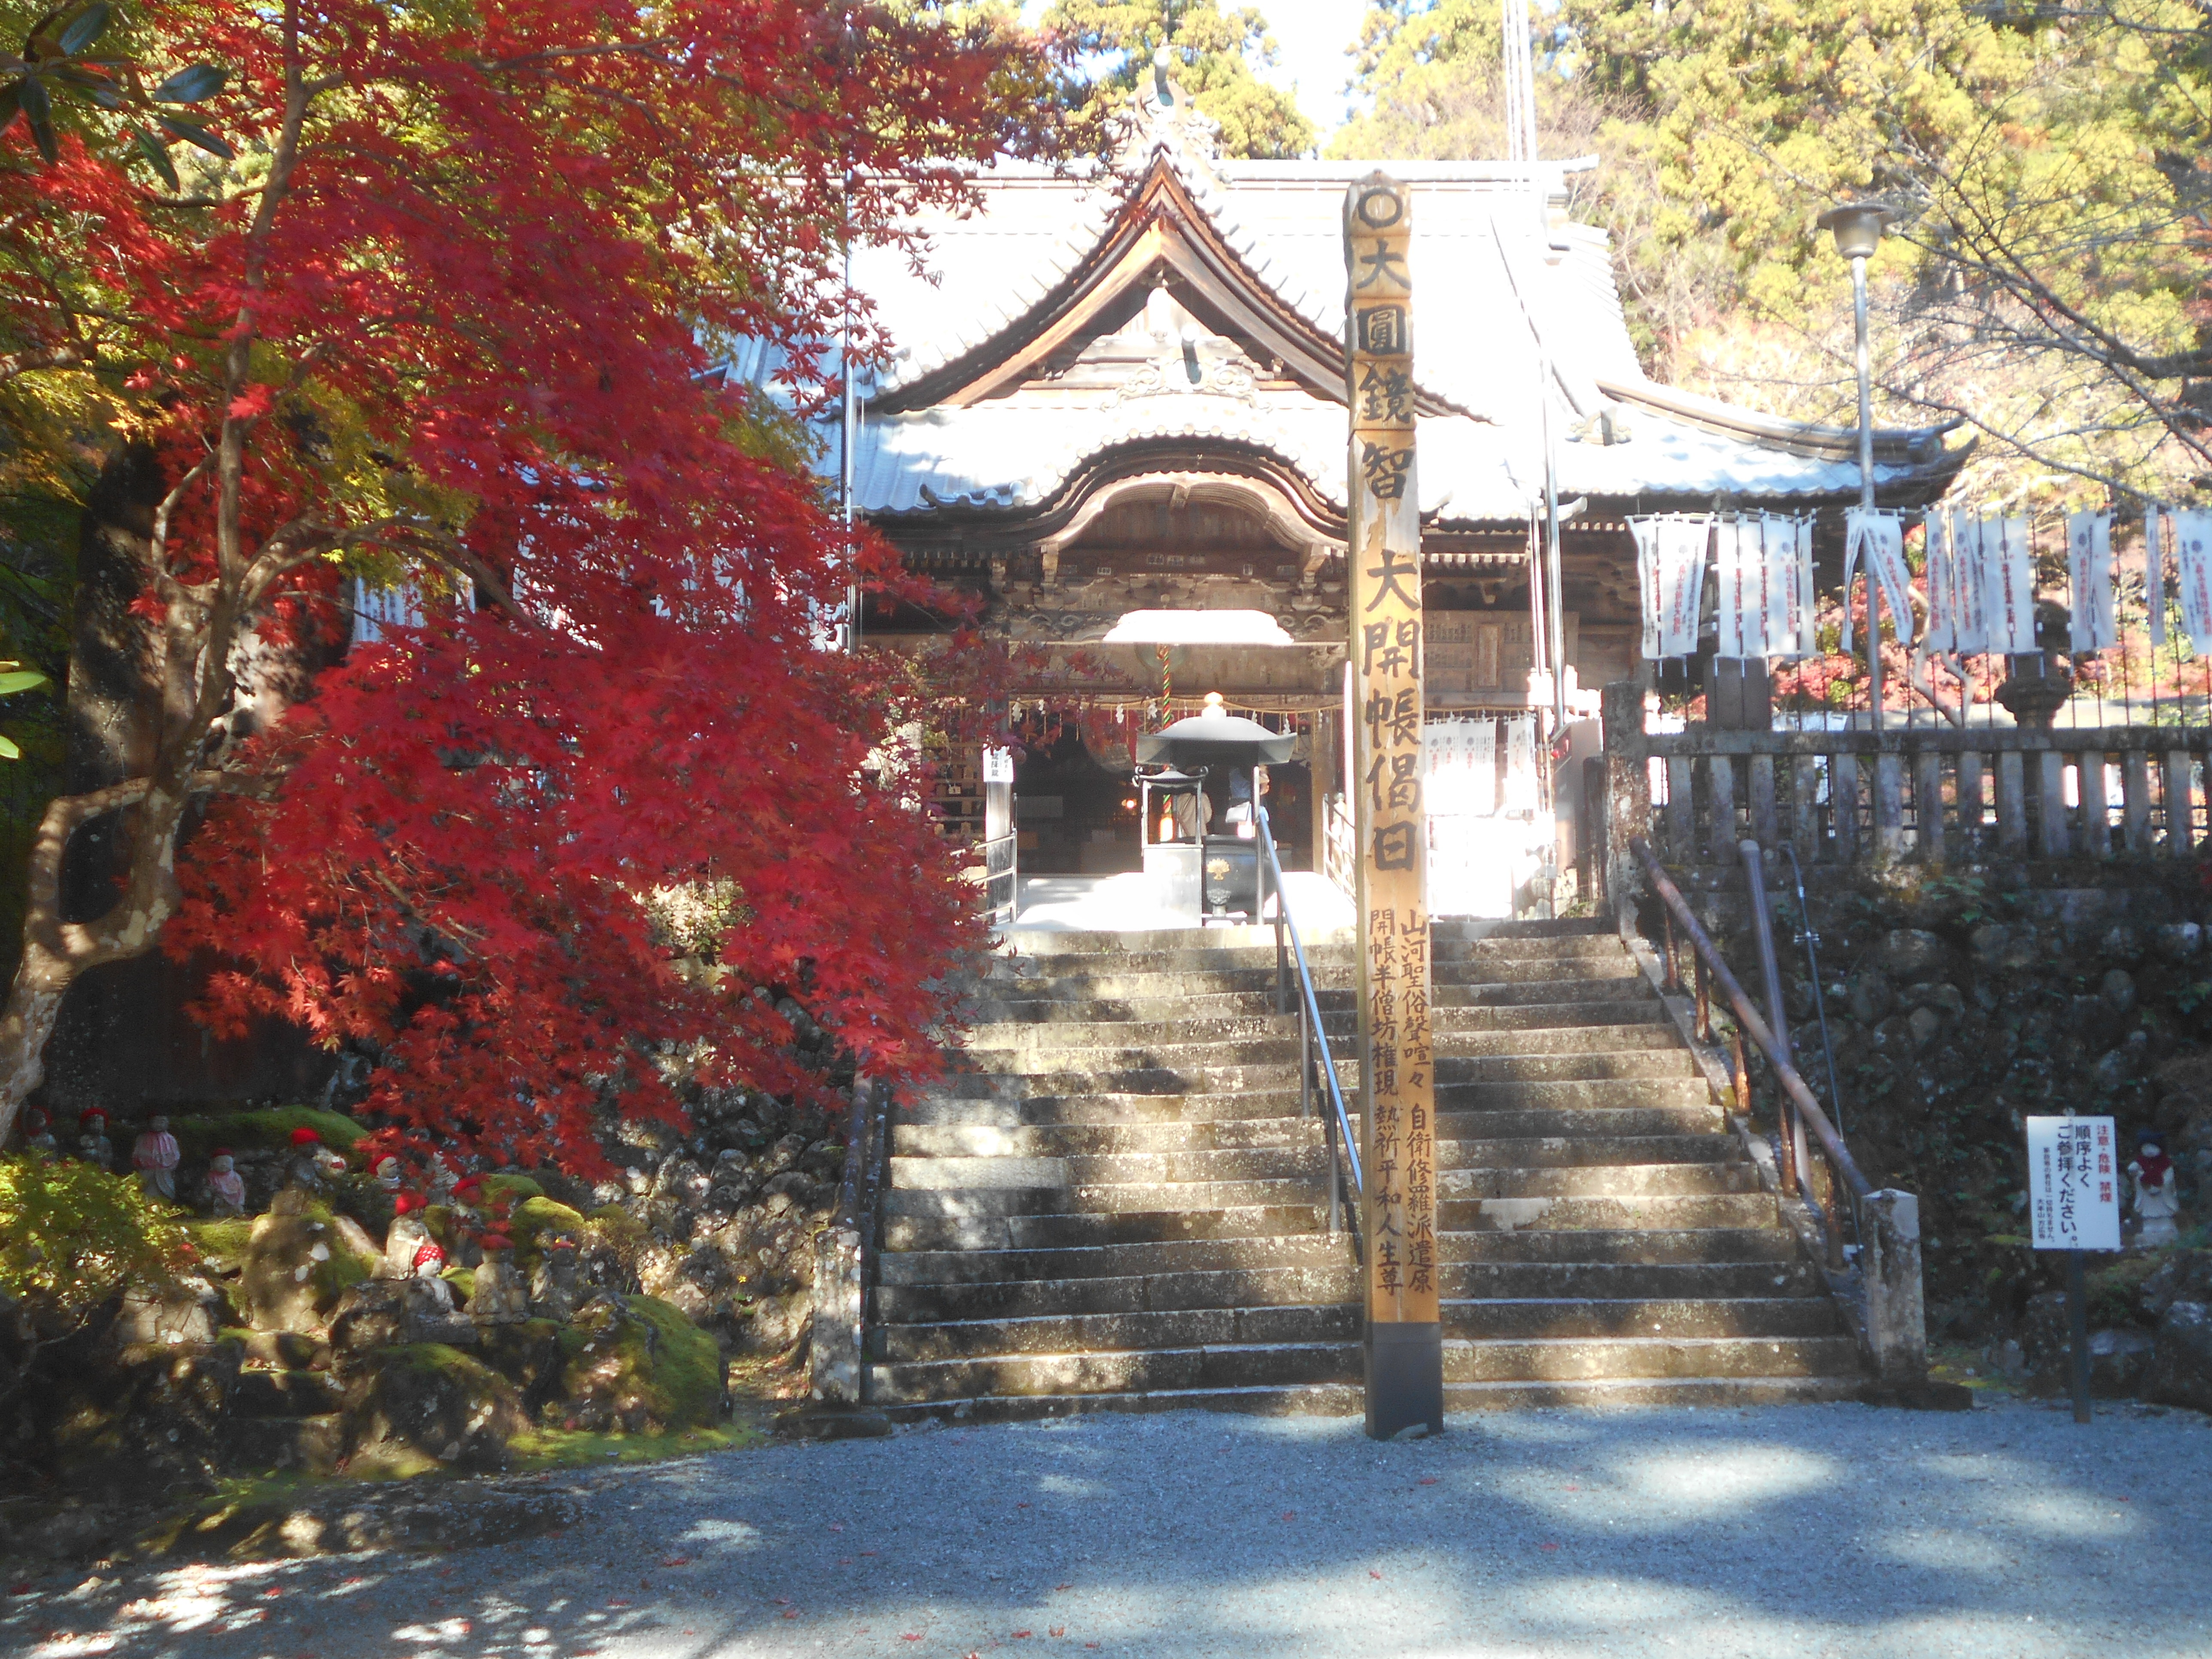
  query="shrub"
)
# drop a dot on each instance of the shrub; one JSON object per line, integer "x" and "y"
{"x": 72, "y": 1236}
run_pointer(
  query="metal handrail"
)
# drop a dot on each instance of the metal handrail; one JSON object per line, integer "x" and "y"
{"x": 1011, "y": 875}
{"x": 1801, "y": 1113}
{"x": 1312, "y": 1036}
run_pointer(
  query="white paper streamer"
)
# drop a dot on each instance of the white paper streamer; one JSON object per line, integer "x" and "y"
{"x": 2154, "y": 574}
{"x": 1520, "y": 784}
{"x": 2192, "y": 559}
{"x": 2010, "y": 577}
{"x": 2089, "y": 581}
{"x": 1878, "y": 537}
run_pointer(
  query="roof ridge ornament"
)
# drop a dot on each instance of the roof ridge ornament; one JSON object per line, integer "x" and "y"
{"x": 1161, "y": 120}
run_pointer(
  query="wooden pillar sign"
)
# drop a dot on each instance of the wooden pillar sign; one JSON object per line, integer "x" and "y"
{"x": 1397, "y": 1079}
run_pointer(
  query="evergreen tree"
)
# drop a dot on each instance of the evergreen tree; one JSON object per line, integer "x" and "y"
{"x": 1217, "y": 53}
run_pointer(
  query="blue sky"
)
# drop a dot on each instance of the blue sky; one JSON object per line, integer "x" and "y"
{"x": 1313, "y": 42}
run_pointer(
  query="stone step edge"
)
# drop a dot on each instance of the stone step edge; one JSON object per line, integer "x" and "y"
{"x": 1349, "y": 1398}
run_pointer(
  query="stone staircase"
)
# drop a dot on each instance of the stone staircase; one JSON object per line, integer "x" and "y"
{"x": 1116, "y": 1204}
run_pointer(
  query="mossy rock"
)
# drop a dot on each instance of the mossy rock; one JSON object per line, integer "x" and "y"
{"x": 268, "y": 1130}
{"x": 424, "y": 1405}
{"x": 221, "y": 1244}
{"x": 296, "y": 1267}
{"x": 513, "y": 1188}
{"x": 635, "y": 1362}
{"x": 528, "y": 1355}
{"x": 2114, "y": 1293}
{"x": 463, "y": 1281}
{"x": 535, "y": 1217}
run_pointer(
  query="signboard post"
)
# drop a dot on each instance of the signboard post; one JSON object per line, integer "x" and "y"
{"x": 2074, "y": 1205}
{"x": 1382, "y": 563}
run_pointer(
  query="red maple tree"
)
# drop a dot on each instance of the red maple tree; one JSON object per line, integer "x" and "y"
{"x": 448, "y": 320}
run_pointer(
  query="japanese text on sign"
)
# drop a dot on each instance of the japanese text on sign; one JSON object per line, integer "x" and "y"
{"x": 2073, "y": 1183}
{"x": 1398, "y": 1082}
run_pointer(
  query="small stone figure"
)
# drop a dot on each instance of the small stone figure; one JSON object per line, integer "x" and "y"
{"x": 403, "y": 1239}
{"x": 556, "y": 1289}
{"x": 226, "y": 1187}
{"x": 304, "y": 1168}
{"x": 39, "y": 1130}
{"x": 498, "y": 1296}
{"x": 93, "y": 1145}
{"x": 2158, "y": 1195}
{"x": 442, "y": 1182}
{"x": 155, "y": 1157}
{"x": 387, "y": 1174}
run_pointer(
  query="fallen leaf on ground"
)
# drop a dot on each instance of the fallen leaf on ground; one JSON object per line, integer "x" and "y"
{"x": 1057, "y": 1630}
{"x": 676, "y": 1561}
{"x": 1062, "y": 1587}
{"x": 1547, "y": 1546}
{"x": 1374, "y": 1572}
{"x": 1427, "y": 1480}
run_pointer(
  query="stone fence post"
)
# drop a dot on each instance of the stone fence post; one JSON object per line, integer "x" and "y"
{"x": 1889, "y": 1261}
{"x": 836, "y": 1366}
{"x": 1627, "y": 794}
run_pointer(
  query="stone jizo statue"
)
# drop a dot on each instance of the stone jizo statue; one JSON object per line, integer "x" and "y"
{"x": 155, "y": 1157}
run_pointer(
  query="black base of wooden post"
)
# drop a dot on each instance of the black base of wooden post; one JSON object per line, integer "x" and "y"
{"x": 2077, "y": 1335}
{"x": 1405, "y": 1378}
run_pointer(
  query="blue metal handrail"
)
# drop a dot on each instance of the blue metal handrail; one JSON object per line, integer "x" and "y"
{"x": 1309, "y": 1032}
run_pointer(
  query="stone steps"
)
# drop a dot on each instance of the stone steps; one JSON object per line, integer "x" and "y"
{"x": 1608, "y": 1284}
{"x": 1114, "y": 1203}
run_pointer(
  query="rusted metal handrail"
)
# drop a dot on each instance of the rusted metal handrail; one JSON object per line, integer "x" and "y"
{"x": 1747, "y": 1016}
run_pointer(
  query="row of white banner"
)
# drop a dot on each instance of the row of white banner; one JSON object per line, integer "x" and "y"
{"x": 1981, "y": 580}
{"x": 1459, "y": 763}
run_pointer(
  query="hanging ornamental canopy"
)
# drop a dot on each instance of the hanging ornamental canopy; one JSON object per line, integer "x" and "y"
{"x": 1215, "y": 735}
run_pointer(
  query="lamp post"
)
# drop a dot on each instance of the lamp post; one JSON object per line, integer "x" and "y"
{"x": 1857, "y": 227}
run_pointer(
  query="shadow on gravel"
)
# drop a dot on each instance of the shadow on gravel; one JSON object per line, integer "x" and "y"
{"x": 1784, "y": 1531}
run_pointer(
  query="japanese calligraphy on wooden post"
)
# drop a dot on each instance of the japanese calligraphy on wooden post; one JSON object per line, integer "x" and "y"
{"x": 1404, "y": 1340}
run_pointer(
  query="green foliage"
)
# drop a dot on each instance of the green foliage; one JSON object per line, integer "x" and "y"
{"x": 73, "y": 1235}
{"x": 2045, "y": 280}
{"x": 1216, "y": 52}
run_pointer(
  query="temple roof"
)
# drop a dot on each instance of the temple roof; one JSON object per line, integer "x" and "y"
{"x": 1076, "y": 323}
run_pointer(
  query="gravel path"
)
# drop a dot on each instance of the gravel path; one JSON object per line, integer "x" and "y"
{"x": 1803, "y": 1531}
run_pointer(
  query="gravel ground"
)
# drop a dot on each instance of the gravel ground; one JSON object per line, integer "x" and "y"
{"x": 1803, "y": 1530}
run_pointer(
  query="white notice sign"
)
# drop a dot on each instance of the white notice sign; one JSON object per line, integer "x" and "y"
{"x": 2073, "y": 1186}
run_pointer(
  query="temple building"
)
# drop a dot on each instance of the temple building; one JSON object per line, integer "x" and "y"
{"x": 1117, "y": 413}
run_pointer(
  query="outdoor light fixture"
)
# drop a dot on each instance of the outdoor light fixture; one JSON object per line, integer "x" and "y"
{"x": 1858, "y": 226}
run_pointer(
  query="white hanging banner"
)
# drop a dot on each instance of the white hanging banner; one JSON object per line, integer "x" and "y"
{"x": 2154, "y": 574}
{"x": 2192, "y": 561}
{"x": 1521, "y": 790}
{"x": 2089, "y": 581}
{"x": 2009, "y": 576}
{"x": 1670, "y": 557}
{"x": 1878, "y": 537}
{"x": 1460, "y": 758}
{"x": 1970, "y": 585}
{"x": 1942, "y": 633}
{"x": 1778, "y": 559}
{"x": 1790, "y": 543}
{"x": 1742, "y": 570}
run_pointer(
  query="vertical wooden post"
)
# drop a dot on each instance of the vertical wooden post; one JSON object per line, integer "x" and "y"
{"x": 1382, "y": 564}
{"x": 1844, "y": 806}
{"x": 1681, "y": 809}
{"x": 1320, "y": 773}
